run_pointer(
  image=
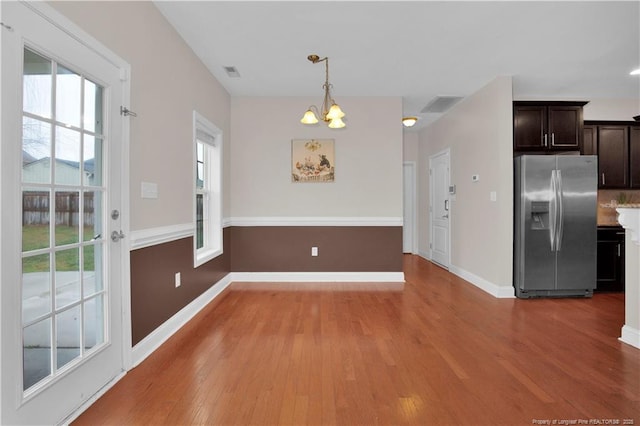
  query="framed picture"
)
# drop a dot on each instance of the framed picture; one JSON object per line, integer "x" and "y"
{"x": 312, "y": 160}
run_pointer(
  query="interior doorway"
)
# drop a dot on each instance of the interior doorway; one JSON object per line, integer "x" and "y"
{"x": 440, "y": 208}
{"x": 409, "y": 210}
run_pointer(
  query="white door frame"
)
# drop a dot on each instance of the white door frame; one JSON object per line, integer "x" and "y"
{"x": 446, "y": 152}
{"x": 409, "y": 189}
{"x": 9, "y": 188}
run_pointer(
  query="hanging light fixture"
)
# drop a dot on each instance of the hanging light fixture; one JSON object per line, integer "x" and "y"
{"x": 330, "y": 112}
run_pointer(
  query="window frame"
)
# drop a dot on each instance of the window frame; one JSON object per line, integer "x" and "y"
{"x": 208, "y": 134}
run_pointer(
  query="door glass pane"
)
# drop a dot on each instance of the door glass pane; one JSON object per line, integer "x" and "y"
{"x": 36, "y": 151}
{"x": 67, "y": 277}
{"x": 92, "y": 107}
{"x": 67, "y": 217}
{"x": 68, "y": 335}
{"x": 36, "y": 287}
{"x": 68, "y": 92}
{"x": 93, "y": 322}
{"x": 67, "y": 165}
{"x": 35, "y": 219}
{"x": 92, "y": 272}
{"x": 36, "y": 84}
{"x": 92, "y": 161}
{"x": 92, "y": 220}
{"x": 36, "y": 352}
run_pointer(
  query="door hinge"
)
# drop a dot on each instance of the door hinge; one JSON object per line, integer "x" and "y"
{"x": 127, "y": 112}
{"x": 430, "y": 245}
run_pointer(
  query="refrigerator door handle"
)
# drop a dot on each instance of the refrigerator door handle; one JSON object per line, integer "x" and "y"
{"x": 560, "y": 221}
{"x": 553, "y": 213}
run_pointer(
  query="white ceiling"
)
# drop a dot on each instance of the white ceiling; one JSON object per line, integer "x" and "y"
{"x": 416, "y": 49}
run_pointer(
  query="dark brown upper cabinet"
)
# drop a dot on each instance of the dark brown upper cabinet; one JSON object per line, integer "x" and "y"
{"x": 613, "y": 156}
{"x": 547, "y": 126}
{"x": 617, "y": 145}
{"x": 634, "y": 157}
{"x": 590, "y": 140}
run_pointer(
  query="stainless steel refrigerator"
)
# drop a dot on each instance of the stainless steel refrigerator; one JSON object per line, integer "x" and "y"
{"x": 555, "y": 231}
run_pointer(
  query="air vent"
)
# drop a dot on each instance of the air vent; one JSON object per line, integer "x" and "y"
{"x": 232, "y": 72}
{"x": 440, "y": 104}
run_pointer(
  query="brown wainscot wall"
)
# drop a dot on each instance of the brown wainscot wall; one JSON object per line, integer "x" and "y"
{"x": 154, "y": 296}
{"x": 340, "y": 248}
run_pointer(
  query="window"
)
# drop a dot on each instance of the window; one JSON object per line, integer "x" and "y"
{"x": 207, "y": 241}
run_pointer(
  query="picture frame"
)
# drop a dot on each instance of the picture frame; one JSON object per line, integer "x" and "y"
{"x": 312, "y": 160}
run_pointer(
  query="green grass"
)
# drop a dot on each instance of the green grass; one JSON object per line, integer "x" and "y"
{"x": 37, "y": 237}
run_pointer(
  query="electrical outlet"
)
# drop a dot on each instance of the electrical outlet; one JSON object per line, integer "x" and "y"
{"x": 178, "y": 280}
{"x": 314, "y": 251}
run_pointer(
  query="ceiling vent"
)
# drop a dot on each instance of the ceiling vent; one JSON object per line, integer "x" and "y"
{"x": 440, "y": 104}
{"x": 232, "y": 72}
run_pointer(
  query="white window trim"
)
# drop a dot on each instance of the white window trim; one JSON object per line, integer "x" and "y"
{"x": 213, "y": 246}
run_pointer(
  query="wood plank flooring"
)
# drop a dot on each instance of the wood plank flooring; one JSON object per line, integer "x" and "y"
{"x": 434, "y": 351}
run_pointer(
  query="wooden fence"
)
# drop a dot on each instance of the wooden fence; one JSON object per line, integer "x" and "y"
{"x": 36, "y": 209}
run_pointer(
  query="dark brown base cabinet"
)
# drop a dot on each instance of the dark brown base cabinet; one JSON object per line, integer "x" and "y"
{"x": 610, "y": 269}
{"x": 617, "y": 145}
{"x": 547, "y": 126}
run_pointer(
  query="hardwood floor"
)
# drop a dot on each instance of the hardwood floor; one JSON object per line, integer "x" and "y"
{"x": 434, "y": 351}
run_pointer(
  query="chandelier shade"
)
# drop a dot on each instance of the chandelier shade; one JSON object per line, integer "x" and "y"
{"x": 330, "y": 112}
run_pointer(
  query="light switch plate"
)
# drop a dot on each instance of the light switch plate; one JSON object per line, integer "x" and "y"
{"x": 149, "y": 190}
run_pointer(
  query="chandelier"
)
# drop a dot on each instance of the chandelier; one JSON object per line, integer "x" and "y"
{"x": 330, "y": 112}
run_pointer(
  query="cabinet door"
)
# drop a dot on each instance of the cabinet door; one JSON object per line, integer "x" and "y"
{"x": 613, "y": 156}
{"x": 634, "y": 157}
{"x": 529, "y": 128}
{"x": 565, "y": 127}
{"x": 610, "y": 275}
{"x": 589, "y": 141}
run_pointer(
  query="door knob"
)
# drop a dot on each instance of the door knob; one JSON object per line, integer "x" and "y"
{"x": 117, "y": 236}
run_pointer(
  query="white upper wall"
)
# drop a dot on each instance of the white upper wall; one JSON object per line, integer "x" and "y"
{"x": 410, "y": 146}
{"x": 167, "y": 83}
{"x": 478, "y": 131}
{"x": 612, "y": 109}
{"x": 368, "y": 177}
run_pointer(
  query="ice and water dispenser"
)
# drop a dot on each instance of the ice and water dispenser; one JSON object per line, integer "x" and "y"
{"x": 539, "y": 215}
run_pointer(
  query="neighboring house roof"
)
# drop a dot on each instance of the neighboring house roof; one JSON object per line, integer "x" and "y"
{"x": 37, "y": 170}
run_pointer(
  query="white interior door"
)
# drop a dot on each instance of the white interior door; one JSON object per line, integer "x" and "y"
{"x": 61, "y": 293}
{"x": 440, "y": 208}
{"x": 409, "y": 200}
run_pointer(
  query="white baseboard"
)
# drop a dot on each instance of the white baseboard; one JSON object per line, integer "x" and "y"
{"x": 318, "y": 276}
{"x": 630, "y": 336}
{"x": 146, "y": 346}
{"x": 424, "y": 254}
{"x": 495, "y": 290}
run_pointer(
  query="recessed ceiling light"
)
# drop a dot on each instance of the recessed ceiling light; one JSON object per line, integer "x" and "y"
{"x": 635, "y": 72}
